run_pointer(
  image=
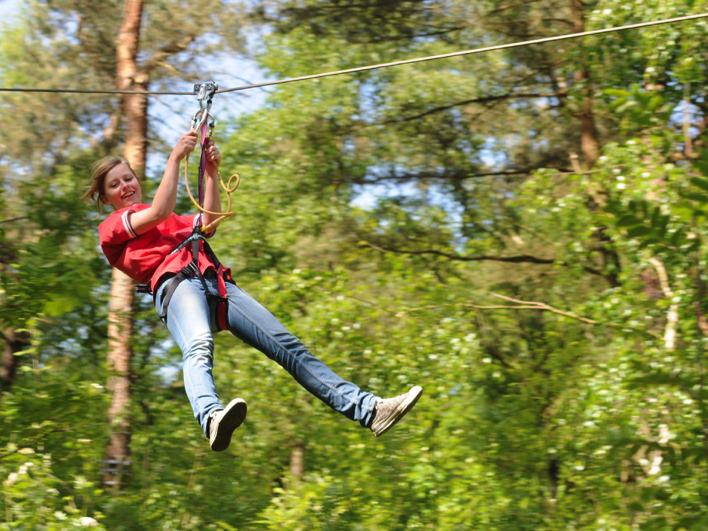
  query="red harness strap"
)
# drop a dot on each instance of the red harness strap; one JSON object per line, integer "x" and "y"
{"x": 223, "y": 305}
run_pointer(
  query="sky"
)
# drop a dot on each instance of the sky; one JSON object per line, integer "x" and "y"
{"x": 10, "y": 7}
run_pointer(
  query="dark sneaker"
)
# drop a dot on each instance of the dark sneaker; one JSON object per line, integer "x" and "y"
{"x": 223, "y": 423}
{"x": 391, "y": 410}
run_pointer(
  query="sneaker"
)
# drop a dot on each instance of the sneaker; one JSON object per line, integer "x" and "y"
{"x": 223, "y": 423}
{"x": 391, "y": 410}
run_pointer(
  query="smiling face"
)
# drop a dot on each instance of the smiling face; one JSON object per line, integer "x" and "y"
{"x": 121, "y": 188}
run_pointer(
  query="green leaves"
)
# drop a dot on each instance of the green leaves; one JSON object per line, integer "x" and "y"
{"x": 646, "y": 223}
{"x": 700, "y": 182}
{"x": 690, "y": 70}
{"x": 638, "y": 108}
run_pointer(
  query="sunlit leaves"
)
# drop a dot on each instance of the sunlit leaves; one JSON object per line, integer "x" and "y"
{"x": 639, "y": 109}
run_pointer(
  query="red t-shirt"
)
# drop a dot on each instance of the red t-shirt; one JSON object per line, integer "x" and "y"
{"x": 146, "y": 258}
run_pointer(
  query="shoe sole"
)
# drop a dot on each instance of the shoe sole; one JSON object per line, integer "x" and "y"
{"x": 403, "y": 408}
{"x": 233, "y": 416}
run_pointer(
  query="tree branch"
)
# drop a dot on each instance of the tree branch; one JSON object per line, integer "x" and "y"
{"x": 168, "y": 50}
{"x": 513, "y": 259}
{"x": 545, "y": 307}
{"x": 8, "y": 220}
{"x": 508, "y": 6}
{"x": 524, "y": 305}
{"x": 446, "y": 175}
{"x": 486, "y": 99}
{"x": 672, "y": 315}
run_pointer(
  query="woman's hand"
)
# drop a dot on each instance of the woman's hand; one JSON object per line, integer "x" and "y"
{"x": 213, "y": 155}
{"x": 166, "y": 194}
{"x": 185, "y": 145}
{"x": 212, "y": 201}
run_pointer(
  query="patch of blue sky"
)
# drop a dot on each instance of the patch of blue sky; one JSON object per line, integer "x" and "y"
{"x": 686, "y": 112}
{"x": 10, "y": 9}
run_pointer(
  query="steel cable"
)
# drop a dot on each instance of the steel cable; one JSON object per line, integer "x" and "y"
{"x": 373, "y": 67}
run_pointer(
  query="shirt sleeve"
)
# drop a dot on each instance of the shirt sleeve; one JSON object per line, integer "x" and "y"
{"x": 114, "y": 233}
{"x": 117, "y": 229}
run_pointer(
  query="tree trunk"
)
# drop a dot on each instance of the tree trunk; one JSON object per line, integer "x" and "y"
{"x": 120, "y": 355}
{"x": 297, "y": 460}
{"x": 134, "y": 106}
{"x": 120, "y": 319}
{"x": 14, "y": 343}
{"x": 589, "y": 143}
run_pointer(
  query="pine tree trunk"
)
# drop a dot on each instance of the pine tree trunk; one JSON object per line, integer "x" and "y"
{"x": 134, "y": 106}
{"x": 120, "y": 355}
{"x": 120, "y": 319}
{"x": 589, "y": 142}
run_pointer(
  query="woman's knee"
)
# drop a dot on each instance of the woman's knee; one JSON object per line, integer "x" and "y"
{"x": 200, "y": 346}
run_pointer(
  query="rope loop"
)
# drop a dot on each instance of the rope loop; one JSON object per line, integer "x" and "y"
{"x": 228, "y": 188}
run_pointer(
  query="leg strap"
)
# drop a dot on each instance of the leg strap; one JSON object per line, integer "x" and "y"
{"x": 170, "y": 288}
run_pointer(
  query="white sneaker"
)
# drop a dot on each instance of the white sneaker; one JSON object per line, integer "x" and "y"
{"x": 223, "y": 423}
{"x": 391, "y": 410}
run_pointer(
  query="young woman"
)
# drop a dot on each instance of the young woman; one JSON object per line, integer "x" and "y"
{"x": 139, "y": 239}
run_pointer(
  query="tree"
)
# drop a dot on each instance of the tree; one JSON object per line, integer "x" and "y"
{"x": 120, "y": 318}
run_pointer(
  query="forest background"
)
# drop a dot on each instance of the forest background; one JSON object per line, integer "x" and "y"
{"x": 529, "y": 250}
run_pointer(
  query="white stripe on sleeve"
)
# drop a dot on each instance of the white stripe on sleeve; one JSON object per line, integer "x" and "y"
{"x": 126, "y": 223}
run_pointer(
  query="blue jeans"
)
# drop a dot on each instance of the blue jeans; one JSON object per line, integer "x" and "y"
{"x": 192, "y": 321}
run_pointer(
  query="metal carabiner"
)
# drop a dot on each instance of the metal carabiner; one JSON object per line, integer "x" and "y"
{"x": 200, "y": 117}
{"x": 204, "y": 91}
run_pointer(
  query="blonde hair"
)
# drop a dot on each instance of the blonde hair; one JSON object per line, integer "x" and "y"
{"x": 99, "y": 170}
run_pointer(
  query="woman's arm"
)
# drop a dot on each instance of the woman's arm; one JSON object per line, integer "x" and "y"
{"x": 166, "y": 196}
{"x": 212, "y": 199}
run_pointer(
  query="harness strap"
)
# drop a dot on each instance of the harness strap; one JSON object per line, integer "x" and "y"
{"x": 170, "y": 288}
{"x": 196, "y": 235}
{"x": 222, "y": 299}
{"x": 192, "y": 270}
{"x": 202, "y": 163}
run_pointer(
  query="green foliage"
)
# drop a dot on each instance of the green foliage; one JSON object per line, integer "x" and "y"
{"x": 563, "y": 373}
{"x": 36, "y": 499}
{"x": 639, "y": 109}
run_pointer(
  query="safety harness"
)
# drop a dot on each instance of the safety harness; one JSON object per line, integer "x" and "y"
{"x": 192, "y": 270}
{"x": 200, "y": 121}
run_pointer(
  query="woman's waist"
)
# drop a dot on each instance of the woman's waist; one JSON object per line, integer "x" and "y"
{"x": 171, "y": 266}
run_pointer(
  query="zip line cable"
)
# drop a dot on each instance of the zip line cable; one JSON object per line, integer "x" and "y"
{"x": 374, "y": 67}
{"x": 470, "y": 52}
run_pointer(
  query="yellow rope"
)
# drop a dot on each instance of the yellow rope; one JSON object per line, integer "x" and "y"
{"x": 227, "y": 187}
